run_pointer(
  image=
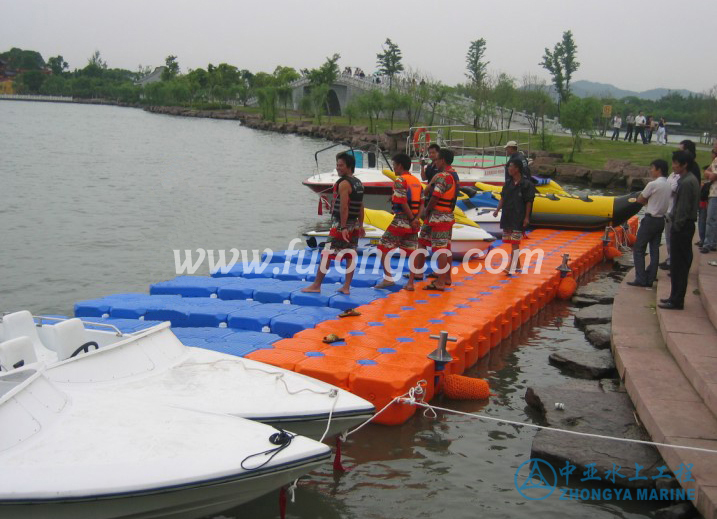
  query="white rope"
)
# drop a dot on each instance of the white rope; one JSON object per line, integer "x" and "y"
{"x": 543, "y": 427}
{"x": 335, "y": 395}
{"x": 413, "y": 395}
{"x": 292, "y": 490}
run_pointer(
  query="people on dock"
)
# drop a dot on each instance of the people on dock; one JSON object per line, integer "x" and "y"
{"x": 656, "y": 196}
{"x": 428, "y": 171}
{"x": 437, "y": 216}
{"x": 516, "y": 203}
{"x": 682, "y": 217}
{"x": 347, "y": 215}
{"x": 629, "y": 127}
{"x": 640, "y": 123}
{"x": 511, "y": 149}
{"x": 710, "y": 237}
{"x": 402, "y": 233}
{"x": 616, "y": 125}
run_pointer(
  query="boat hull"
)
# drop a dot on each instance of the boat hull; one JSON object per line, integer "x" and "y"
{"x": 187, "y": 502}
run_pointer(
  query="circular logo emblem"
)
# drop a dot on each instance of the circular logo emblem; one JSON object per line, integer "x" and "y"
{"x": 535, "y": 479}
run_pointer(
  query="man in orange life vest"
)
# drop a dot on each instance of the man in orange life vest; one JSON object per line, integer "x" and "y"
{"x": 437, "y": 218}
{"x": 402, "y": 234}
{"x": 346, "y": 223}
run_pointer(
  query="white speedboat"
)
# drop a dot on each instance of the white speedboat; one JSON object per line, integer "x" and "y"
{"x": 69, "y": 455}
{"x": 465, "y": 239}
{"x": 153, "y": 365}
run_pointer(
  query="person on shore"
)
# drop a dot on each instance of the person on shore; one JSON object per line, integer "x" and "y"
{"x": 616, "y": 125}
{"x": 661, "y": 132}
{"x": 629, "y": 127}
{"x": 640, "y": 123}
{"x": 656, "y": 197}
{"x": 694, "y": 168}
{"x": 428, "y": 171}
{"x": 516, "y": 203}
{"x": 402, "y": 233}
{"x": 649, "y": 128}
{"x": 702, "y": 212}
{"x": 511, "y": 149}
{"x": 710, "y": 239}
{"x": 347, "y": 216}
{"x": 683, "y": 216}
{"x": 438, "y": 220}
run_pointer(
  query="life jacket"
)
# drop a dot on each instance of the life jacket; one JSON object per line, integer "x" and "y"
{"x": 447, "y": 201}
{"x": 413, "y": 193}
{"x": 355, "y": 198}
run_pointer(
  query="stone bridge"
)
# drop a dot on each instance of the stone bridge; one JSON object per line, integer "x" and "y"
{"x": 342, "y": 91}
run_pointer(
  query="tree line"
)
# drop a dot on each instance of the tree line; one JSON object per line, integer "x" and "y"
{"x": 484, "y": 100}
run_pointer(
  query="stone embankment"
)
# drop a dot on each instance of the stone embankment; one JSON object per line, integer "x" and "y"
{"x": 615, "y": 173}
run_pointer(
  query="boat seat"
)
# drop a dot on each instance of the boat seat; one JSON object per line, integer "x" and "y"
{"x": 70, "y": 339}
{"x": 16, "y": 353}
{"x": 21, "y": 324}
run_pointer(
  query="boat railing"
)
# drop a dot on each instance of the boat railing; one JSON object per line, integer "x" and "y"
{"x": 469, "y": 141}
{"x": 41, "y": 318}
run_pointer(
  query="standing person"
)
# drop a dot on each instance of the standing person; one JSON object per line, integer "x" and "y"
{"x": 672, "y": 180}
{"x": 438, "y": 219}
{"x": 710, "y": 242}
{"x": 402, "y": 233}
{"x": 346, "y": 222}
{"x": 516, "y": 202}
{"x": 683, "y": 216}
{"x": 648, "y": 128}
{"x": 656, "y": 196}
{"x": 640, "y": 122}
{"x": 702, "y": 214}
{"x": 511, "y": 149}
{"x": 694, "y": 168}
{"x": 661, "y": 132}
{"x": 616, "y": 125}
{"x": 630, "y": 127}
{"x": 429, "y": 171}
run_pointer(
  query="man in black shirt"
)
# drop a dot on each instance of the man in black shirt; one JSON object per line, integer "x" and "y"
{"x": 516, "y": 202}
{"x": 683, "y": 216}
{"x": 429, "y": 171}
{"x": 511, "y": 149}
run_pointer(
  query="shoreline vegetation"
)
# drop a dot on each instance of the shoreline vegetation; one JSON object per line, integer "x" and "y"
{"x": 396, "y": 98}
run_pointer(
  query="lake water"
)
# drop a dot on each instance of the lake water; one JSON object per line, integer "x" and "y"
{"x": 94, "y": 199}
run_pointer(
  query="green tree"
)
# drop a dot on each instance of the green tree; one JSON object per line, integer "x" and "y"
{"x": 57, "y": 64}
{"x": 561, "y": 63}
{"x": 393, "y": 101}
{"x": 320, "y": 80}
{"x": 389, "y": 61}
{"x": 171, "y": 69}
{"x": 285, "y": 97}
{"x": 475, "y": 64}
{"x": 318, "y": 95}
{"x": 578, "y": 116}
{"x": 371, "y": 104}
{"x": 30, "y": 82}
{"x": 352, "y": 111}
{"x": 267, "y": 97}
{"x": 437, "y": 94}
{"x": 54, "y": 85}
{"x": 19, "y": 59}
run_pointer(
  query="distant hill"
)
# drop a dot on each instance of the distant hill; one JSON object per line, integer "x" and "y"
{"x": 583, "y": 88}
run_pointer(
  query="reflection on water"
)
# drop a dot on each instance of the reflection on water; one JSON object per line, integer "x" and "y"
{"x": 96, "y": 198}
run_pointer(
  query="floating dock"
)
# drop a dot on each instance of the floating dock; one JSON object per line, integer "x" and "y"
{"x": 383, "y": 352}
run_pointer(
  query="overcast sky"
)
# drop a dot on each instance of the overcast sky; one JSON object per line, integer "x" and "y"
{"x": 635, "y": 45}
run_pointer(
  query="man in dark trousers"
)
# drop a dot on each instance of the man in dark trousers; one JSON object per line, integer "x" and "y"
{"x": 656, "y": 196}
{"x": 683, "y": 217}
{"x": 511, "y": 149}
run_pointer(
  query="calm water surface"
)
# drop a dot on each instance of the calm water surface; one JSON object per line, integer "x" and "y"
{"x": 93, "y": 201}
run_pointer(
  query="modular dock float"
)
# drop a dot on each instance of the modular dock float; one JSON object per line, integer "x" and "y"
{"x": 383, "y": 352}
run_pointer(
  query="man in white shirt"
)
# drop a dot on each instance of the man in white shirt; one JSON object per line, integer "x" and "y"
{"x": 616, "y": 124}
{"x": 657, "y": 197}
{"x": 640, "y": 123}
{"x": 672, "y": 180}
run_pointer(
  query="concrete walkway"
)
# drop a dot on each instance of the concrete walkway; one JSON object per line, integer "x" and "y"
{"x": 668, "y": 361}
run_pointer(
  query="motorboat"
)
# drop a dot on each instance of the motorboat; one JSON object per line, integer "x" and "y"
{"x": 556, "y": 210}
{"x": 153, "y": 365}
{"x": 71, "y": 454}
{"x": 467, "y": 238}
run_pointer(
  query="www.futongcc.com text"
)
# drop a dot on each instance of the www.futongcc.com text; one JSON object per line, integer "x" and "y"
{"x": 306, "y": 261}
